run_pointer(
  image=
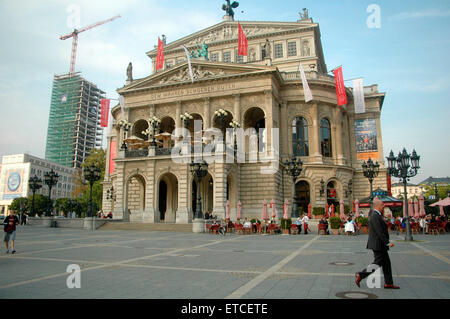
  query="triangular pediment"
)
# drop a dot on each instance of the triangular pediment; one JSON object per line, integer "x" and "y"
{"x": 228, "y": 31}
{"x": 201, "y": 70}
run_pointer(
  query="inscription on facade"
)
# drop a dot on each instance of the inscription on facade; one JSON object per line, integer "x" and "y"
{"x": 192, "y": 91}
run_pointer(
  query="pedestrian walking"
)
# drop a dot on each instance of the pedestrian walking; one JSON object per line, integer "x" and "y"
{"x": 380, "y": 244}
{"x": 24, "y": 219}
{"x": 10, "y": 223}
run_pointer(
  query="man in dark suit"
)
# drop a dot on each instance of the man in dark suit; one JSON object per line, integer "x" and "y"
{"x": 379, "y": 243}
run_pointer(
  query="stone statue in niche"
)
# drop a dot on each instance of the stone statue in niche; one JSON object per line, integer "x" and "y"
{"x": 267, "y": 49}
{"x": 306, "y": 50}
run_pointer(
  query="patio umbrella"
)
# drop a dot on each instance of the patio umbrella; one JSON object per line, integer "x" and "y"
{"x": 332, "y": 210}
{"x": 265, "y": 214}
{"x": 442, "y": 202}
{"x": 309, "y": 210}
{"x": 341, "y": 208}
{"x": 272, "y": 205}
{"x": 416, "y": 208}
{"x": 239, "y": 211}
{"x": 327, "y": 207}
{"x": 285, "y": 209}
{"x": 441, "y": 210}
{"x": 133, "y": 139}
{"x": 354, "y": 209}
{"x": 410, "y": 208}
{"x": 228, "y": 210}
{"x": 422, "y": 205}
{"x": 357, "y": 208}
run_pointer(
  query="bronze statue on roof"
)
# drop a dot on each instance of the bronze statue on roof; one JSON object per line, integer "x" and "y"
{"x": 228, "y": 8}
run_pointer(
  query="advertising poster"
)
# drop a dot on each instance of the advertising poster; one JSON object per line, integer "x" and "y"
{"x": 14, "y": 184}
{"x": 366, "y": 139}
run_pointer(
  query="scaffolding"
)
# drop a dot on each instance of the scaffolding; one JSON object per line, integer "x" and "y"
{"x": 74, "y": 121}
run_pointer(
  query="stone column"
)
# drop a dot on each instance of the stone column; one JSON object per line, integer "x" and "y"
{"x": 151, "y": 213}
{"x": 152, "y": 109}
{"x": 220, "y": 188}
{"x": 315, "y": 136}
{"x": 207, "y": 113}
{"x": 237, "y": 108}
{"x": 338, "y": 138}
{"x": 183, "y": 214}
{"x": 120, "y": 190}
{"x": 284, "y": 128}
{"x": 178, "y": 123}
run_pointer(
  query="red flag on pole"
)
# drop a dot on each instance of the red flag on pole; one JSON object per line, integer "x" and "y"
{"x": 160, "y": 55}
{"x": 104, "y": 112}
{"x": 243, "y": 43}
{"x": 340, "y": 87}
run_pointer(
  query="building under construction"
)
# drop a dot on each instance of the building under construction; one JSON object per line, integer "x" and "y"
{"x": 74, "y": 121}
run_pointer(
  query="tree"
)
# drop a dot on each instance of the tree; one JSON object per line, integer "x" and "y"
{"x": 81, "y": 189}
{"x": 442, "y": 191}
{"x": 20, "y": 205}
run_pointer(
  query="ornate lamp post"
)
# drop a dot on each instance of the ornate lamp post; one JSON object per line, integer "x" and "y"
{"x": 220, "y": 114}
{"x": 91, "y": 174}
{"x": 186, "y": 118}
{"x": 294, "y": 168}
{"x": 436, "y": 192}
{"x": 126, "y": 126}
{"x": 154, "y": 123}
{"x": 34, "y": 183}
{"x": 371, "y": 170}
{"x": 50, "y": 179}
{"x": 235, "y": 125}
{"x": 199, "y": 170}
{"x": 404, "y": 166}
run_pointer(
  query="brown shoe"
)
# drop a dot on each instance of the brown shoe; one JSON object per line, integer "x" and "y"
{"x": 391, "y": 287}
{"x": 358, "y": 279}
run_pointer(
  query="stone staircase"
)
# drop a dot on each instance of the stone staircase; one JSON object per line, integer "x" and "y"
{"x": 185, "y": 228}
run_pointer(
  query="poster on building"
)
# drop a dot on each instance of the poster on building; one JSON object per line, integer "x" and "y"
{"x": 14, "y": 184}
{"x": 366, "y": 139}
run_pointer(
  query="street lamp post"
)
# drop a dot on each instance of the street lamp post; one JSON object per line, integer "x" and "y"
{"x": 35, "y": 183}
{"x": 294, "y": 168}
{"x": 186, "y": 118}
{"x": 50, "y": 179}
{"x": 199, "y": 170}
{"x": 402, "y": 168}
{"x": 436, "y": 192}
{"x": 221, "y": 114}
{"x": 154, "y": 123}
{"x": 371, "y": 170}
{"x": 126, "y": 126}
{"x": 91, "y": 174}
{"x": 235, "y": 126}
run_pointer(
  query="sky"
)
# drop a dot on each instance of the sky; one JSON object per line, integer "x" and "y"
{"x": 403, "y": 46}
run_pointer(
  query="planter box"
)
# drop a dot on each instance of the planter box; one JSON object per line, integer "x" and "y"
{"x": 285, "y": 231}
{"x": 365, "y": 229}
{"x": 335, "y": 231}
{"x": 318, "y": 216}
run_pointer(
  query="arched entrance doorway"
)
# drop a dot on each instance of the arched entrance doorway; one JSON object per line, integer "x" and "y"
{"x": 168, "y": 198}
{"x": 302, "y": 190}
{"x": 255, "y": 118}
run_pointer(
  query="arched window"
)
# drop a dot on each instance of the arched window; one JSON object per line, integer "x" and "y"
{"x": 300, "y": 137}
{"x": 325, "y": 137}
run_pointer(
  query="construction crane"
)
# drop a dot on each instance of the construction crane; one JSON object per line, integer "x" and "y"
{"x": 74, "y": 35}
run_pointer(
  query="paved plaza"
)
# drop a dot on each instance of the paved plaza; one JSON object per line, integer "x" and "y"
{"x": 151, "y": 265}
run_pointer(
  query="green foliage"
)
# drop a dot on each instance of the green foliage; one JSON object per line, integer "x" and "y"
{"x": 40, "y": 204}
{"x": 286, "y": 223}
{"x": 253, "y": 221}
{"x": 82, "y": 189}
{"x": 442, "y": 191}
{"x": 20, "y": 205}
{"x": 318, "y": 211}
{"x": 335, "y": 222}
{"x": 364, "y": 221}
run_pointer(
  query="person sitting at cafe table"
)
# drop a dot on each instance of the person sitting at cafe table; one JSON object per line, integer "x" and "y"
{"x": 324, "y": 222}
{"x": 247, "y": 223}
{"x": 298, "y": 223}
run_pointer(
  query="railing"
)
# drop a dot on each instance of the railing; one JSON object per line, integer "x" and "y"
{"x": 293, "y": 76}
{"x": 136, "y": 153}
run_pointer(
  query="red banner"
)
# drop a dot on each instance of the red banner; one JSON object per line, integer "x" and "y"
{"x": 112, "y": 156}
{"x": 340, "y": 87}
{"x": 243, "y": 43}
{"x": 104, "y": 112}
{"x": 160, "y": 55}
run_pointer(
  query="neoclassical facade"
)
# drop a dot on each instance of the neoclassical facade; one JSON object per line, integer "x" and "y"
{"x": 263, "y": 91}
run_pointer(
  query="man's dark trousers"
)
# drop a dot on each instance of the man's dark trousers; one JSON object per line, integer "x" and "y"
{"x": 381, "y": 258}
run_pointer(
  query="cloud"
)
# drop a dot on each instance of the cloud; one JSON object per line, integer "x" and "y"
{"x": 430, "y": 13}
